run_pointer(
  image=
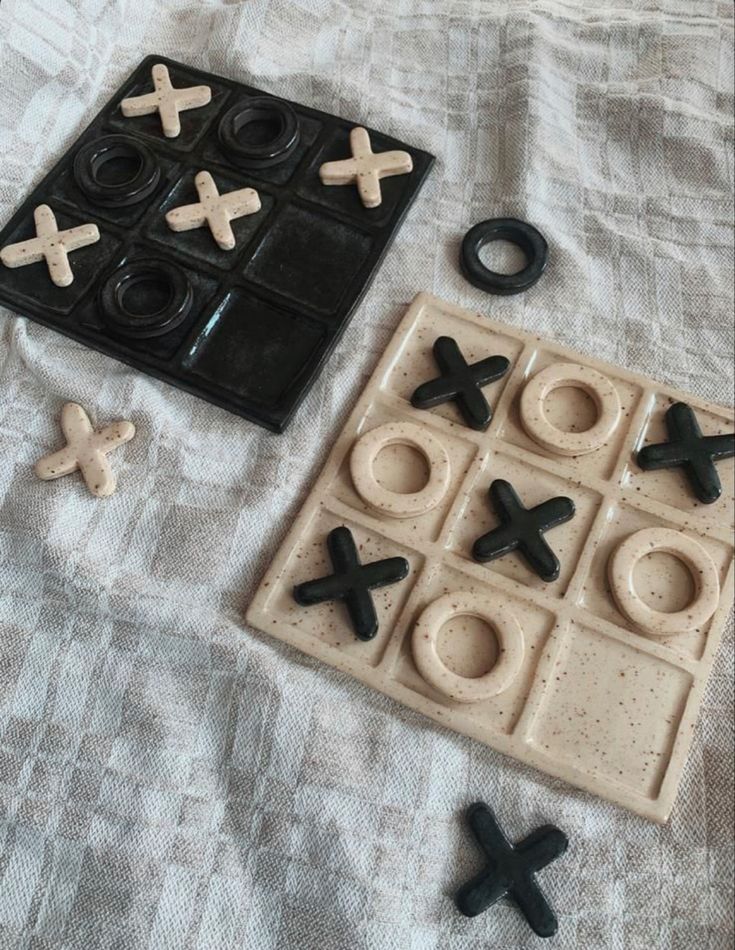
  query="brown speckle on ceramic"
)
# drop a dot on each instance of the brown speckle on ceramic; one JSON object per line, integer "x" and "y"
{"x": 498, "y": 616}
{"x": 86, "y": 449}
{"x": 575, "y": 376}
{"x": 659, "y": 623}
{"x": 399, "y": 504}
{"x": 594, "y": 699}
{"x": 214, "y": 210}
{"x": 166, "y": 100}
{"x": 365, "y": 168}
{"x": 51, "y": 244}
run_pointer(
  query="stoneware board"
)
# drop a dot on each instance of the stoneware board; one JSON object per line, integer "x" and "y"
{"x": 247, "y": 328}
{"x": 588, "y": 694}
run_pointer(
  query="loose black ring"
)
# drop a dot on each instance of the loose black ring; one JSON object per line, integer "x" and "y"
{"x": 274, "y": 132}
{"x": 531, "y": 242}
{"x": 94, "y": 172}
{"x": 146, "y": 298}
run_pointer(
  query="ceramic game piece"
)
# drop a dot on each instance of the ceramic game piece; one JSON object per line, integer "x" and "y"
{"x": 259, "y": 154}
{"x": 86, "y": 450}
{"x": 167, "y": 101}
{"x": 524, "y": 235}
{"x": 460, "y": 382}
{"x": 248, "y": 328}
{"x": 511, "y": 870}
{"x": 399, "y": 504}
{"x": 352, "y": 582}
{"x": 50, "y": 244}
{"x": 498, "y": 616}
{"x": 625, "y": 580}
{"x": 366, "y": 168}
{"x": 578, "y": 676}
{"x": 522, "y": 529}
{"x": 688, "y": 449}
{"x": 584, "y": 378}
{"x": 214, "y": 210}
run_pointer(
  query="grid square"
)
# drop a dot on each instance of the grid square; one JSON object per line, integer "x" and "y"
{"x": 600, "y": 463}
{"x": 669, "y": 486}
{"x": 415, "y": 363}
{"x": 290, "y": 259}
{"x": 468, "y": 648}
{"x": 611, "y": 709}
{"x": 194, "y": 122}
{"x": 22, "y": 283}
{"x": 534, "y": 487}
{"x": 199, "y": 242}
{"x": 670, "y": 586}
{"x": 309, "y": 559}
{"x": 255, "y": 350}
{"x": 397, "y": 462}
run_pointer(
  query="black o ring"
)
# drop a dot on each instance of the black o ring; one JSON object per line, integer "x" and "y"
{"x": 265, "y": 154}
{"x": 524, "y": 235}
{"x": 157, "y": 322}
{"x": 90, "y": 159}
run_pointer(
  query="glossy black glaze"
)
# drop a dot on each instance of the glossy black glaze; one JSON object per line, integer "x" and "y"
{"x": 116, "y": 191}
{"x": 266, "y": 151}
{"x": 524, "y": 235}
{"x": 263, "y": 318}
{"x": 511, "y": 870}
{"x": 461, "y": 382}
{"x": 158, "y": 315}
{"x": 352, "y": 582}
{"x": 687, "y": 448}
{"x": 522, "y": 529}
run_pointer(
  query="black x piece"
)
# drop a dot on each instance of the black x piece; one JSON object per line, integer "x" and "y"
{"x": 511, "y": 870}
{"x": 522, "y": 529}
{"x": 687, "y": 448}
{"x": 352, "y": 582}
{"x": 461, "y": 382}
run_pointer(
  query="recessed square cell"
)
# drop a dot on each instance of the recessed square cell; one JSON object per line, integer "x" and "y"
{"x": 329, "y": 622}
{"x": 664, "y": 582}
{"x": 66, "y": 190}
{"x": 258, "y": 133}
{"x": 199, "y": 242}
{"x": 309, "y": 258}
{"x": 671, "y": 486}
{"x": 194, "y": 122}
{"x": 150, "y": 286}
{"x": 415, "y": 363}
{"x": 534, "y": 487}
{"x": 570, "y": 409}
{"x": 402, "y": 468}
{"x": 610, "y": 710}
{"x": 468, "y": 646}
{"x": 346, "y": 198}
{"x": 33, "y": 282}
{"x": 254, "y": 349}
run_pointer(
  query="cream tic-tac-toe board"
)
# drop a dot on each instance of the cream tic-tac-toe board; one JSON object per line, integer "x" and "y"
{"x": 568, "y": 615}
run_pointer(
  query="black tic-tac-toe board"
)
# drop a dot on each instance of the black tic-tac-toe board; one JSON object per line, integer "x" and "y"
{"x": 258, "y": 322}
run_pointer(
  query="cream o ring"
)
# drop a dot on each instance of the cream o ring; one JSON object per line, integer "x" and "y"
{"x": 398, "y": 504}
{"x": 556, "y": 376}
{"x": 658, "y": 623}
{"x": 464, "y": 689}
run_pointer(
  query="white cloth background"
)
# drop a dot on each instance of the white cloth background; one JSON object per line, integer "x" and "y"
{"x": 169, "y": 778}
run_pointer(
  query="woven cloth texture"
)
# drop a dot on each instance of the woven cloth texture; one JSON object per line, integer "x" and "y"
{"x": 170, "y": 778}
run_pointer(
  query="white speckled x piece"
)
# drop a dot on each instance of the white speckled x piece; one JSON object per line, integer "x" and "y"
{"x": 595, "y": 677}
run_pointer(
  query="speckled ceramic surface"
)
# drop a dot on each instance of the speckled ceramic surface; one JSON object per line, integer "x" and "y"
{"x": 595, "y": 676}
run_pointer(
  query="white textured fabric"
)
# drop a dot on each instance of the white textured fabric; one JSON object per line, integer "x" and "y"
{"x": 169, "y": 778}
